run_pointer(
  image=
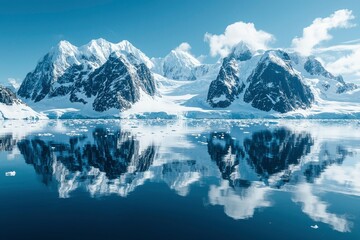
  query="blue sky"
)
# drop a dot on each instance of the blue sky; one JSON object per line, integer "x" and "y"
{"x": 29, "y": 28}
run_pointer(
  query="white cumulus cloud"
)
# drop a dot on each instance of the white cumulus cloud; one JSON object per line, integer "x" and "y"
{"x": 185, "y": 47}
{"x": 318, "y": 31}
{"x": 348, "y": 64}
{"x": 342, "y": 59}
{"x": 14, "y": 83}
{"x": 235, "y": 33}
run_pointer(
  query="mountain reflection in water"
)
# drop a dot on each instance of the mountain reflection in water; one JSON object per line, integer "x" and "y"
{"x": 247, "y": 165}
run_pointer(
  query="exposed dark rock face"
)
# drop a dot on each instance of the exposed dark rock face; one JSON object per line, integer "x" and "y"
{"x": 37, "y": 84}
{"x": 241, "y": 52}
{"x": 66, "y": 73}
{"x": 227, "y": 86}
{"x": 274, "y": 85}
{"x": 315, "y": 68}
{"x": 8, "y": 97}
{"x": 346, "y": 87}
{"x": 38, "y": 153}
{"x": 117, "y": 84}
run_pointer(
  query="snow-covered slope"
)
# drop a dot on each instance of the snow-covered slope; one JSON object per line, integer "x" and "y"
{"x": 13, "y": 108}
{"x": 100, "y": 50}
{"x": 180, "y": 64}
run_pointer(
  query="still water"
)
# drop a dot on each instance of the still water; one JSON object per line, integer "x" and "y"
{"x": 180, "y": 179}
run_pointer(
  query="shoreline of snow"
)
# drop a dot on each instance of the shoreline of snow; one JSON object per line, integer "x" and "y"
{"x": 19, "y": 111}
{"x": 212, "y": 114}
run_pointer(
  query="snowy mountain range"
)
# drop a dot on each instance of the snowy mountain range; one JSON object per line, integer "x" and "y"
{"x": 106, "y": 80}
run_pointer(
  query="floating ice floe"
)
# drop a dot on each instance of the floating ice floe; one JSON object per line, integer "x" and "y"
{"x": 10, "y": 174}
{"x": 315, "y": 226}
{"x": 46, "y": 135}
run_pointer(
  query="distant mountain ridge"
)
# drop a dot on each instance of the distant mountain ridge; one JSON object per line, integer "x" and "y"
{"x": 180, "y": 64}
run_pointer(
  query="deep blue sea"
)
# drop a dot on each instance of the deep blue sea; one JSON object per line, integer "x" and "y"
{"x": 180, "y": 179}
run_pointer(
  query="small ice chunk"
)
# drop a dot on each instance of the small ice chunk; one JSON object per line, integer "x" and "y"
{"x": 315, "y": 226}
{"x": 10, "y": 174}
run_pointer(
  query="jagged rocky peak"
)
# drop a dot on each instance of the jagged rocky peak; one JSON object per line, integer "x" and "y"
{"x": 63, "y": 56}
{"x": 64, "y": 47}
{"x": 227, "y": 86}
{"x": 37, "y": 84}
{"x": 278, "y": 57}
{"x": 97, "y": 50}
{"x": 275, "y": 85}
{"x": 119, "y": 83}
{"x": 315, "y": 68}
{"x": 241, "y": 52}
{"x": 53, "y": 65}
{"x": 11, "y": 107}
{"x": 127, "y": 47}
{"x": 8, "y": 97}
{"x": 70, "y": 71}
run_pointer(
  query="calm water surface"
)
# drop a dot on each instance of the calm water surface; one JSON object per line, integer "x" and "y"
{"x": 178, "y": 179}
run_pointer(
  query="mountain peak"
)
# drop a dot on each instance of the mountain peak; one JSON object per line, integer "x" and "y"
{"x": 179, "y": 64}
{"x": 181, "y": 54}
{"x": 275, "y": 85}
{"x": 126, "y": 43}
{"x": 129, "y": 48}
{"x": 182, "y": 57}
{"x": 278, "y": 57}
{"x": 314, "y": 67}
{"x": 65, "y": 47}
{"x": 98, "y": 43}
{"x": 126, "y": 59}
{"x": 64, "y": 43}
{"x": 62, "y": 56}
{"x": 276, "y": 54}
{"x": 98, "y": 49}
{"x": 241, "y": 51}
